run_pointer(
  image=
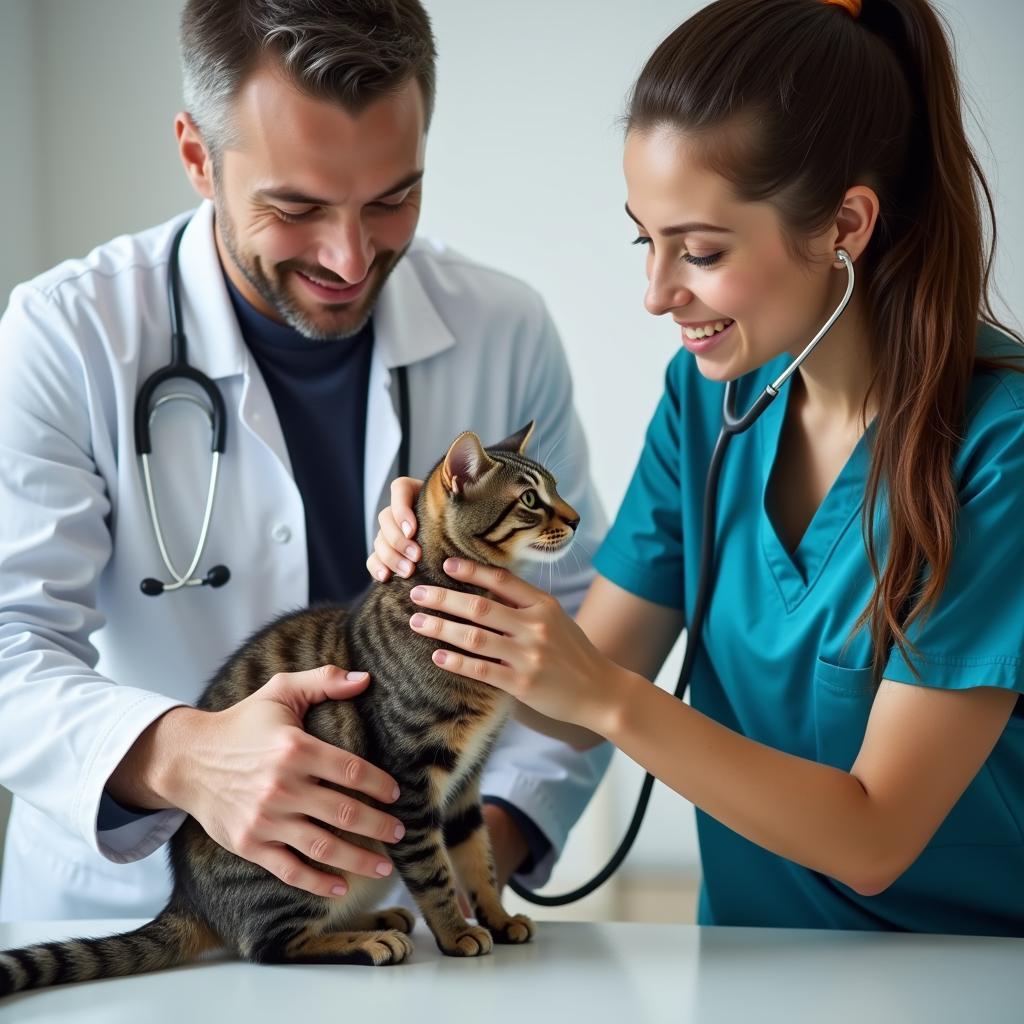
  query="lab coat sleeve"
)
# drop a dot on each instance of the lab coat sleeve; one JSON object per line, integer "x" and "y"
{"x": 63, "y": 726}
{"x": 543, "y": 777}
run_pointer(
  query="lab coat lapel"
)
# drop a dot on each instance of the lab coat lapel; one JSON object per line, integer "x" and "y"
{"x": 215, "y": 342}
{"x": 407, "y": 329}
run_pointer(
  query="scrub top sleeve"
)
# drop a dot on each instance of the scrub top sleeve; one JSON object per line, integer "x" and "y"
{"x": 974, "y": 635}
{"x": 643, "y": 552}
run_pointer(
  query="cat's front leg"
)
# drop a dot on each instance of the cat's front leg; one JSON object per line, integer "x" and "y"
{"x": 469, "y": 845}
{"x": 423, "y": 863}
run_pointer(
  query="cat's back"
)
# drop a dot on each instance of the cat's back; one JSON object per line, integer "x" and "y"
{"x": 294, "y": 642}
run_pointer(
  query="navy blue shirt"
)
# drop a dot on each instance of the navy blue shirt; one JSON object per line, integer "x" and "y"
{"x": 319, "y": 390}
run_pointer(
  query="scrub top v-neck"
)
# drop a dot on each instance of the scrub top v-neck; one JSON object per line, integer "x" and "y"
{"x": 779, "y": 662}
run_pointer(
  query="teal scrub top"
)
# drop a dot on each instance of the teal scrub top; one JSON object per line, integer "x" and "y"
{"x": 775, "y": 664}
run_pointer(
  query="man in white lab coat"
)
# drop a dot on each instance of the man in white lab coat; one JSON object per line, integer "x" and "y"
{"x": 302, "y": 293}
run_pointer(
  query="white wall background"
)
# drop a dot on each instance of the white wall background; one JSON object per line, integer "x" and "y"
{"x": 523, "y": 173}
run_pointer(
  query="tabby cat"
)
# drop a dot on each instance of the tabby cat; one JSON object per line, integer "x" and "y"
{"x": 431, "y": 730}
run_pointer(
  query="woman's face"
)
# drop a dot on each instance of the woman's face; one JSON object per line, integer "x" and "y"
{"x": 717, "y": 265}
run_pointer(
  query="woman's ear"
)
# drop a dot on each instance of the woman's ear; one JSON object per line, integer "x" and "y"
{"x": 856, "y": 220}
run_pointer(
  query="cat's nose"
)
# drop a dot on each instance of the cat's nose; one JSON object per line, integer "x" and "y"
{"x": 573, "y": 523}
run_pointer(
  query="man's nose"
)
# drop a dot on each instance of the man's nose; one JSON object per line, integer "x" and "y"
{"x": 347, "y": 251}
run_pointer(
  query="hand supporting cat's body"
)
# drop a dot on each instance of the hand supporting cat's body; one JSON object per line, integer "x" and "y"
{"x": 431, "y": 731}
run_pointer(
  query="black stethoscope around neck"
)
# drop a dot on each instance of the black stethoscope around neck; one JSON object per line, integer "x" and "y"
{"x": 731, "y": 426}
{"x": 179, "y": 369}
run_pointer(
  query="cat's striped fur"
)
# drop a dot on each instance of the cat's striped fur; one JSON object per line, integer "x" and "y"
{"x": 429, "y": 729}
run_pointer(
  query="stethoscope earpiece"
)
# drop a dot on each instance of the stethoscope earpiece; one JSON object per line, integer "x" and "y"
{"x": 732, "y": 424}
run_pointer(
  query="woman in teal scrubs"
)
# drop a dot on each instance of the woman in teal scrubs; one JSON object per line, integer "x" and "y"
{"x": 855, "y": 744}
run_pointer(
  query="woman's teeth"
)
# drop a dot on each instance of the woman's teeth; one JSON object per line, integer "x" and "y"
{"x": 695, "y": 333}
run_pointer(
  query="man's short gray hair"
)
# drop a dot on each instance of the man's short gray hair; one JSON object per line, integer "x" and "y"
{"x": 351, "y": 52}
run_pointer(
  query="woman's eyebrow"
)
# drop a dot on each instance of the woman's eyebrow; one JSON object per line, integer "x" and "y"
{"x": 682, "y": 229}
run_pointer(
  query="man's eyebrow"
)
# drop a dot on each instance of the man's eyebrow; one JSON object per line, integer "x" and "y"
{"x": 286, "y": 194}
{"x": 681, "y": 229}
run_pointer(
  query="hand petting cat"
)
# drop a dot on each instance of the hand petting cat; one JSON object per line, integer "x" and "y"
{"x": 520, "y": 641}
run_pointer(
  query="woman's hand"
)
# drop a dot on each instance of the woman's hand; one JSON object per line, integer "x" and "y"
{"x": 394, "y": 550}
{"x": 522, "y": 643}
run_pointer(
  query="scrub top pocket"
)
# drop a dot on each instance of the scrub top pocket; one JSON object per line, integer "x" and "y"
{"x": 842, "y": 705}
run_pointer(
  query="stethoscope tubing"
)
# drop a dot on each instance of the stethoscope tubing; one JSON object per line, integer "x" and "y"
{"x": 146, "y": 408}
{"x": 731, "y": 426}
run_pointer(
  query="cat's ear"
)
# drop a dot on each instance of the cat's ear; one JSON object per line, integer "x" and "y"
{"x": 518, "y": 441}
{"x": 465, "y": 463}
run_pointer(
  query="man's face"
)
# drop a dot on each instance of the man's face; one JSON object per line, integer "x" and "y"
{"x": 314, "y": 207}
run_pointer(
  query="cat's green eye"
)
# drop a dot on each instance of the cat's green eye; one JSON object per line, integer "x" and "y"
{"x": 529, "y": 499}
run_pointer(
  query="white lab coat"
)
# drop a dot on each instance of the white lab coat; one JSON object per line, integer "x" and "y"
{"x": 86, "y": 660}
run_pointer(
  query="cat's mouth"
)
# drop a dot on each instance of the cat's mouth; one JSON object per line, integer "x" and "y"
{"x": 551, "y": 549}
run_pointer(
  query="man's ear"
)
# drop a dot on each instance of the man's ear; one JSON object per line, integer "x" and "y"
{"x": 465, "y": 463}
{"x": 195, "y": 155}
{"x": 518, "y": 441}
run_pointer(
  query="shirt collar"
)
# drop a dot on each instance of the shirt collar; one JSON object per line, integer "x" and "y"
{"x": 407, "y": 325}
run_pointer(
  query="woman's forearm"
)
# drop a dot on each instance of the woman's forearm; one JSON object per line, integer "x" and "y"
{"x": 813, "y": 814}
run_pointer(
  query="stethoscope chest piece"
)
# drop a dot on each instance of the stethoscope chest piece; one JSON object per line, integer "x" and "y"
{"x": 146, "y": 407}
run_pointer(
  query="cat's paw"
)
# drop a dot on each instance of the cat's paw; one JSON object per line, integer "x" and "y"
{"x": 473, "y": 941}
{"x": 394, "y": 918}
{"x": 388, "y": 947}
{"x": 513, "y": 931}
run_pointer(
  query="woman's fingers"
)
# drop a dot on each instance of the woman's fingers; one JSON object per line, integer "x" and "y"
{"x": 473, "y": 668}
{"x": 474, "y": 607}
{"x": 474, "y": 639}
{"x": 506, "y": 585}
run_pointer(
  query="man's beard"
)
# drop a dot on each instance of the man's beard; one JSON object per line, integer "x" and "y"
{"x": 277, "y": 296}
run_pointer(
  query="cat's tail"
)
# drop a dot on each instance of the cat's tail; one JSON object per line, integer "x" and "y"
{"x": 174, "y": 937}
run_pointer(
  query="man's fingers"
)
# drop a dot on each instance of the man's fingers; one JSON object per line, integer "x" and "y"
{"x": 327, "y": 762}
{"x": 404, "y": 492}
{"x": 326, "y": 848}
{"x": 281, "y": 862}
{"x": 298, "y": 690}
{"x": 345, "y": 812}
{"x": 394, "y": 536}
{"x": 389, "y": 557}
{"x": 377, "y": 569}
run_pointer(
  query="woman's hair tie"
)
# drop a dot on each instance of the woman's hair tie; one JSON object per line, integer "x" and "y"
{"x": 853, "y": 6}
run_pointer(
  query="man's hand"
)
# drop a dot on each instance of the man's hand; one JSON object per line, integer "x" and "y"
{"x": 250, "y": 776}
{"x": 394, "y": 550}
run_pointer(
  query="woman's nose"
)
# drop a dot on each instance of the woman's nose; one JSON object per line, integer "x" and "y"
{"x": 665, "y": 291}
